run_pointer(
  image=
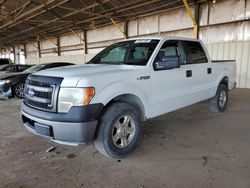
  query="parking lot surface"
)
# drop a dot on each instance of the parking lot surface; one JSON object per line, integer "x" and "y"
{"x": 192, "y": 147}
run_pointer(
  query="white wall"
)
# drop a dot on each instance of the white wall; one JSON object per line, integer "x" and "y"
{"x": 238, "y": 51}
{"x": 67, "y": 58}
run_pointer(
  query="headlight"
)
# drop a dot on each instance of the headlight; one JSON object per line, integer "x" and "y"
{"x": 69, "y": 97}
{"x": 4, "y": 82}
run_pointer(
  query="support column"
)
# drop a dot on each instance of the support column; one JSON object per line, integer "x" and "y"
{"x": 14, "y": 52}
{"x": 58, "y": 45}
{"x": 197, "y": 16}
{"x": 126, "y": 29}
{"x": 85, "y": 42}
{"x": 39, "y": 49}
{"x": 25, "y": 51}
{"x": 208, "y": 12}
{"x": 189, "y": 11}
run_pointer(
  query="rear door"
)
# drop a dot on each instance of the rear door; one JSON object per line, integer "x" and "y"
{"x": 199, "y": 70}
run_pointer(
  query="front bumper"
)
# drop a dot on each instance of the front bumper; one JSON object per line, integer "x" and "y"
{"x": 68, "y": 129}
{"x": 5, "y": 91}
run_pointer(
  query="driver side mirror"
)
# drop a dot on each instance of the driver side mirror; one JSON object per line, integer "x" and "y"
{"x": 168, "y": 62}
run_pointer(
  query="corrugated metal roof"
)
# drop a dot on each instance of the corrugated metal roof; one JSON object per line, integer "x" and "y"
{"x": 26, "y": 20}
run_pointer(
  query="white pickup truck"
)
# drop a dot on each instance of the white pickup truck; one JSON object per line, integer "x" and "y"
{"x": 131, "y": 81}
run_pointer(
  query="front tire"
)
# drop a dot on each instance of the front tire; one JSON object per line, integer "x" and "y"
{"x": 219, "y": 102}
{"x": 119, "y": 131}
{"x": 18, "y": 90}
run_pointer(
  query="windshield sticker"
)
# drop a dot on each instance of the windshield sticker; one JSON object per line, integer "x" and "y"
{"x": 143, "y": 41}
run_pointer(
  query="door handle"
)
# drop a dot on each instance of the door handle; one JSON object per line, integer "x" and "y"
{"x": 189, "y": 73}
{"x": 209, "y": 70}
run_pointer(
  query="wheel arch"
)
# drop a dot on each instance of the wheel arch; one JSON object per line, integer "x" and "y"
{"x": 132, "y": 100}
{"x": 14, "y": 84}
{"x": 224, "y": 81}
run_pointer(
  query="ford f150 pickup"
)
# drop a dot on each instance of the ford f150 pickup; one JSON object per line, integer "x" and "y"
{"x": 106, "y": 99}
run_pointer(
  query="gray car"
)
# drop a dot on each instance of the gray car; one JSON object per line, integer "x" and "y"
{"x": 12, "y": 84}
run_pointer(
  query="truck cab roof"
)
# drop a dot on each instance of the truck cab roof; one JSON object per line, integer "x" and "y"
{"x": 162, "y": 38}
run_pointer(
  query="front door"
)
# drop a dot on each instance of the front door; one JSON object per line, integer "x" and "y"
{"x": 171, "y": 88}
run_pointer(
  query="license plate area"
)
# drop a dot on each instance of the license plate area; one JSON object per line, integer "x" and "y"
{"x": 44, "y": 130}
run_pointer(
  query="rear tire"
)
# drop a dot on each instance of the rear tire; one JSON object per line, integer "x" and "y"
{"x": 219, "y": 102}
{"x": 18, "y": 90}
{"x": 119, "y": 131}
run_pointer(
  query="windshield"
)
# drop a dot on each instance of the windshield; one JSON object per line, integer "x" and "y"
{"x": 134, "y": 52}
{"x": 34, "y": 68}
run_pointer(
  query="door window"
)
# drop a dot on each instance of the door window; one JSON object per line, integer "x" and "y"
{"x": 170, "y": 52}
{"x": 194, "y": 52}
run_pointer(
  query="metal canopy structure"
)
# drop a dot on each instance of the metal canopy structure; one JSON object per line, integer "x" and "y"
{"x": 32, "y": 20}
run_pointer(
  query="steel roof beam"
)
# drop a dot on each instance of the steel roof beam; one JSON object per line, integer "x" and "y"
{"x": 31, "y": 14}
{"x": 99, "y": 15}
{"x": 56, "y": 19}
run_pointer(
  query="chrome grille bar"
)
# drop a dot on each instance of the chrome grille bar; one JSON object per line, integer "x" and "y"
{"x": 41, "y": 92}
{"x": 38, "y": 99}
{"x": 40, "y": 89}
{"x": 39, "y": 96}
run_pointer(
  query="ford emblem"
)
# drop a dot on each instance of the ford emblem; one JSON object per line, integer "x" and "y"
{"x": 31, "y": 92}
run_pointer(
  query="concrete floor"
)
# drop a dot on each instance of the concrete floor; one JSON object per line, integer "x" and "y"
{"x": 188, "y": 148}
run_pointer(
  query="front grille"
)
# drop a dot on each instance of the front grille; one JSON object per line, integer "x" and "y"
{"x": 36, "y": 94}
{"x": 41, "y": 92}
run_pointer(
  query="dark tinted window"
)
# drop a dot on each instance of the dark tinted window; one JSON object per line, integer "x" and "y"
{"x": 4, "y": 61}
{"x": 194, "y": 52}
{"x": 22, "y": 68}
{"x": 10, "y": 69}
{"x": 54, "y": 65}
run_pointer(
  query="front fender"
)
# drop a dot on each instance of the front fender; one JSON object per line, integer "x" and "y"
{"x": 120, "y": 88}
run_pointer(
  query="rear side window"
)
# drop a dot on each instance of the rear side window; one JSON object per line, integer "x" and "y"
{"x": 22, "y": 68}
{"x": 194, "y": 52}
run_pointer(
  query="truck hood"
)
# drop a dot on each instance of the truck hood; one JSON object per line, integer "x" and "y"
{"x": 72, "y": 74}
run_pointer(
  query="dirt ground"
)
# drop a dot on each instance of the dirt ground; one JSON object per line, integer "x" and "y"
{"x": 189, "y": 148}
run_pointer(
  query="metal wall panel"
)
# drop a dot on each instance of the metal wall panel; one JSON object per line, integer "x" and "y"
{"x": 238, "y": 51}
